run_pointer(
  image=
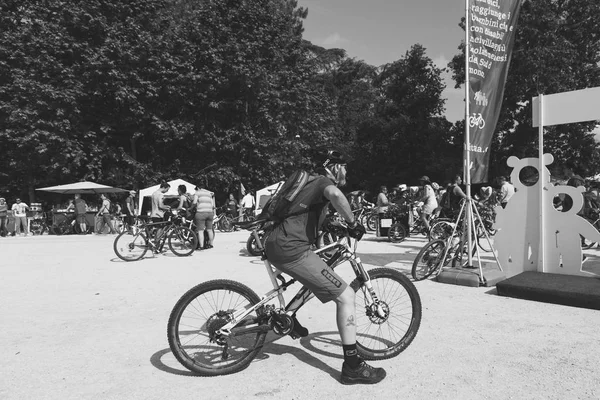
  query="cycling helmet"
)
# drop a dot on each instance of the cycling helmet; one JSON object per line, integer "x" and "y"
{"x": 333, "y": 157}
{"x": 435, "y": 186}
{"x": 425, "y": 179}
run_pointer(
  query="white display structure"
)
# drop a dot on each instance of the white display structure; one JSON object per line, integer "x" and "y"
{"x": 557, "y": 252}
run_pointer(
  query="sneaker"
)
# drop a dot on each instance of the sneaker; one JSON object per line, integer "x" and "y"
{"x": 363, "y": 374}
{"x": 298, "y": 331}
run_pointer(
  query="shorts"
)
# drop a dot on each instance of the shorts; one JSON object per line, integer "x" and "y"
{"x": 311, "y": 271}
{"x": 80, "y": 218}
{"x": 204, "y": 220}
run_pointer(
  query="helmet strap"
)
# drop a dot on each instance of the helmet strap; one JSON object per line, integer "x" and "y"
{"x": 331, "y": 175}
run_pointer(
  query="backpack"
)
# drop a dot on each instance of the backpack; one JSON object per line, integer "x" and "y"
{"x": 281, "y": 205}
{"x": 112, "y": 208}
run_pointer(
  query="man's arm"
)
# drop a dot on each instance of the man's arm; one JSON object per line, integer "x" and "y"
{"x": 339, "y": 202}
{"x": 458, "y": 192}
{"x": 162, "y": 205}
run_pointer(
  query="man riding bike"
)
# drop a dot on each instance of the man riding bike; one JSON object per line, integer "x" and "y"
{"x": 288, "y": 248}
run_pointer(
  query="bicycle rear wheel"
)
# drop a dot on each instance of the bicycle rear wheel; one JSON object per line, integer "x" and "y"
{"x": 200, "y": 313}
{"x": 225, "y": 224}
{"x": 182, "y": 241}
{"x": 385, "y": 335}
{"x": 428, "y": 260}
{"x": 130, "y": 247}
{"x": 397, "y": 233}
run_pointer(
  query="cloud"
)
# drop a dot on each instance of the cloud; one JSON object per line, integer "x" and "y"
{"x": 441, "y": 61}
{"x": 334, "y": 39}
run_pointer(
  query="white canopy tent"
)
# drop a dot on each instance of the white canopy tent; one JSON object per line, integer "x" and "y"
{"x": 263, "y": 195}
{"x": 171, "y": 192}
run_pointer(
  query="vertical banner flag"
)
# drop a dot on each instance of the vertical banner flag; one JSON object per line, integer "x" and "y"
{"x": 492, "y": 29}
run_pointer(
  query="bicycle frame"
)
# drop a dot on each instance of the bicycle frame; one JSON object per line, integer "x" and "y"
{"x": 344, "y": 253}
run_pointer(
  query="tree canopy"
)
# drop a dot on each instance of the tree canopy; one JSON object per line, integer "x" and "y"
{"x": 219, "y": 92}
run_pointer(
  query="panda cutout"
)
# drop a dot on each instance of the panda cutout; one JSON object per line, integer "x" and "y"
{"x": 563, "y": 253}
{"x": 517, "y": 239}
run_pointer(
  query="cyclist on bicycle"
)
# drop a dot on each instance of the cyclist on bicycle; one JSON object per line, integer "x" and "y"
{"x": 288, "y": 248}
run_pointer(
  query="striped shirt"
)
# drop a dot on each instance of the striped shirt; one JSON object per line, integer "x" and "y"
{"x": 204, "y": 201}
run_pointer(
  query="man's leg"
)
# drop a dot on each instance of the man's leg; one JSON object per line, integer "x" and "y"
{"x": 354, "y": 370}
{"x": 210, "y": 230}
{"x": 108, "y": 221}
{"x": 425, "y": 217}
{"x": 200, "y": 226}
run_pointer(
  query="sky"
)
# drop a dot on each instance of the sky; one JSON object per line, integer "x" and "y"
{"x": 382, "y": 31}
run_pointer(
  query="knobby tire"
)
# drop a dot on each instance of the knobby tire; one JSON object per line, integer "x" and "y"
{"x": 130, "y": 247}
{"x": 203, "y": 310}
{"x": 374, "y": 336}
{"x": 428, "y": 261}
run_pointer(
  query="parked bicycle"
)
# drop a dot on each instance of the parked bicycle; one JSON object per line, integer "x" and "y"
{"x": 401, "y": 229}
{"x": 182, "y": 241}
{"x": 66, "y": 225}
{"x": 41, "y": 224}
{"x": 450, "y": 251}
{"x": 219, "y": 326}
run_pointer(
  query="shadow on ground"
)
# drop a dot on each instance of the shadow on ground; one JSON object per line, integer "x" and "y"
{"x": 314, "y": 343}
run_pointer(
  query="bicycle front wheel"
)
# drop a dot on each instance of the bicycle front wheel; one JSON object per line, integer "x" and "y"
{"x": 252, "y": 246}
{"x": 441, "y": 230}
{"x": 429, "y": 260}
{"x": 372, "y": 222}
{"x": 130, "y": 247}
{"x": 182, "y": 241}
{"x": 196, "y": 319}
{"x": 386, "y": 332}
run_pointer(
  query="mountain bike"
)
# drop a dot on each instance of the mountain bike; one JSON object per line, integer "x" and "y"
{"x": 218, "y": 327}
{"x": 400, "y": 230}
{"x": 132, "y": 246}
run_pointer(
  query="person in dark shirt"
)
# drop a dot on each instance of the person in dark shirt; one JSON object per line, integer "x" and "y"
{"x": 288, "y": 248}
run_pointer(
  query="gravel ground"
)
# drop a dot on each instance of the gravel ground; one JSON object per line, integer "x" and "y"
{"x": 78, "y": 323}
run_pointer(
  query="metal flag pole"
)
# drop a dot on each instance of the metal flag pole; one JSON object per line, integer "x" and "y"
{"x": 467, "y": 167}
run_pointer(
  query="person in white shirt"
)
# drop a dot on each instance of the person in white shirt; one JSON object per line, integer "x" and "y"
{"x": 19, "y": 210}
{"x": 248, "y": 205}
{"x": 507, "y": 190}
{"x": 429, "y": 201}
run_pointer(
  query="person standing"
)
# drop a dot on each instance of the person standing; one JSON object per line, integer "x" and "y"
{"x": 232, "y": 206}
{"x": 248, "y": 205}
{"x": 130, "y": 209}
{"x": 3, "y": 217}
{"x": 159, "y": 207}
{"x": 382, "y": 200}
{"x": 104, "y": 213}
{"x": 507, "y": 190}
{"x": 19, "y": 210}
{"x": 429, "y": 201}
{"x": 204, "y": 200}
{"x": 80, "y": 212}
